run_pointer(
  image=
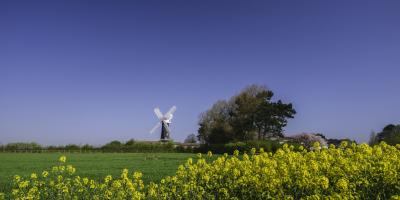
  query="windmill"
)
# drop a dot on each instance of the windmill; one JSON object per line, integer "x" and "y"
{"x": 164, "y": 122}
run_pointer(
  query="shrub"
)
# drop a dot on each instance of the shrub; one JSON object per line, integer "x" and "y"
{"x": 267, "y": 145}
{"x": 22, "y": 146}
{"x": 87, "y": 147}
{"x": 113, "y": 146}
{"x": 72, "y": 147}
{"x": 149, "y": 147}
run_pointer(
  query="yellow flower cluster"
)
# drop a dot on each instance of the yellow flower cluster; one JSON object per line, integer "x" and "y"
{"x": 347, "y": 172}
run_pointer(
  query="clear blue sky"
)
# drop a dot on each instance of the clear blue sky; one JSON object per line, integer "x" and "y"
{"x": 92, "y": 71}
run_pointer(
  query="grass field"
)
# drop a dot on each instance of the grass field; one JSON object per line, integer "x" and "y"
{"x": 154, "y": 166}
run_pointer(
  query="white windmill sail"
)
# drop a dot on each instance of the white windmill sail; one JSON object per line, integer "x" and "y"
{"x": 171, "y": 111}
{"x": 155, "y": 127}
{"x": 165, "y": 120}
{"x": 158, "y": 113}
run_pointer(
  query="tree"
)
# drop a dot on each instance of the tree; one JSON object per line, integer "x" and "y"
{"x": 87, "y": 147}
{"x": 191, "y": 138}
{"x": 272, "y": 117}
{"x": 214, "y": 123}
{"x": 250, "y": 114}
{"x": 130, "y": 142}
{"x": 389, "y": 128}
{"x": 390, "y": 134}
{"x": 71, "y": 147}
{"x": 246, "y": 110}
{"x": 112, "y": 146}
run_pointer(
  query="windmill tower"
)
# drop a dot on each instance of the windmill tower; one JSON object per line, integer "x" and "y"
{"x": 165, "y": 121}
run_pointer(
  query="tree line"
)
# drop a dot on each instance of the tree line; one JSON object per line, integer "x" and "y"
{"x": 113, "y": 146}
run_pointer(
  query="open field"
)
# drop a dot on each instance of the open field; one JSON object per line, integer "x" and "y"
{"x": 154, "y": 166}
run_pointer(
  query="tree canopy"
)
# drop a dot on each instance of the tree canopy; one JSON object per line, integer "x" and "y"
{"x": 249, "y": 115}
{"x": 390, "y": 134}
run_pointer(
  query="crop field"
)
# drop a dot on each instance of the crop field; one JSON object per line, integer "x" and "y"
{"x": 154, "y": 166}
{"x": 349, "y": 171}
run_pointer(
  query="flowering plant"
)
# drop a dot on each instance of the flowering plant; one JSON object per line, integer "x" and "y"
{"x": 349, "y": 171}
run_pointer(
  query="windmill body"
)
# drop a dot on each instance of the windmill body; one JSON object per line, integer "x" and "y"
{"x": 165, "y": 121}
{"x": 164, "y": 131}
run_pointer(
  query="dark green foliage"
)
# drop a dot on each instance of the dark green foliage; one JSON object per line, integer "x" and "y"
{"x": 337, "y": 142}
{"x": 130, "y": 142}
{"x": 215, "y": 126}
{"x": 389, "y": 128}
{"x": 267, "y": 145}
{"x": 149, "y": 147}
{"x": 131, "y": 146}
{"x": 113, "y": 146}
{"x": 72, "y": 147}
{"x": 22, "y": 146}
{"x": 184, "y": 148}
{"x": 390, "y": 134}
{"x": 247, "y": 116}
{"x": 87, "y": 147}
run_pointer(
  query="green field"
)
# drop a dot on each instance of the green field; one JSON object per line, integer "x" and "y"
{"x": 154, "y": 166}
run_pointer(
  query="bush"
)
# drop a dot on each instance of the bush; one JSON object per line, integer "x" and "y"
{"x": 113, "y": 146}
{"x": 136, "y": 147}
{"x": 267, "y": 145}
{"x": 72, "y": 147}
{"x": 23, "y": 146}
{"x": 131, "y": 146}
{"x": 87, "y": 147}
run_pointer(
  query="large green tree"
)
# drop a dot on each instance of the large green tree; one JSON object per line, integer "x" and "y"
{"x": 248, "y": 115}
{"x": 214, "y": 124}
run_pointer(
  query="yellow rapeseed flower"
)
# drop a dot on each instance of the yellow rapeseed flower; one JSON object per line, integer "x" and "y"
{"x": 45, "y": 174}
{"x": 33, "y": 176}
{"x": 63, "y": 159}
